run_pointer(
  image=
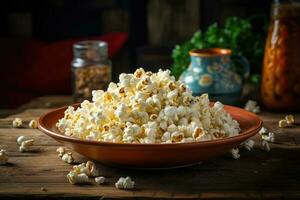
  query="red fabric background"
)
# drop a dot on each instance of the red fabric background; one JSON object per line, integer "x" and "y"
{"x": 44, "y": 68}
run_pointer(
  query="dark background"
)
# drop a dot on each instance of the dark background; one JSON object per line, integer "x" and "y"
{"x": 153, "y": 26}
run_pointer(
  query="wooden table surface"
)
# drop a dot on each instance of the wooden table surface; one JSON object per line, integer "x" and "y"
{"x": 257, "y": 174}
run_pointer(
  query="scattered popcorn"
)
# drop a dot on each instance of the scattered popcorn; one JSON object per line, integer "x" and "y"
{"x": 252, "y": 106}
{"x": 25, "y": 145}
{"x": 235, "y": 153}
{"x": 265, "y": 145}
{"x": 93, "y": 171}
{"x": 248, "y": 144}
{"x": 33, "y": 124}
{"x": 88, "y": 168}
{"x": 146, "y": 107}
{"x": 290, "y": 119}
{"x": 263, "y": 131}
{"x": 68, "y": 158}
{"x": 17, "y": 122}
{"x": 100, "y": 180}
{"x": 3, "y": 157}
{"x": 283, "y": 123}
{"x": 61, "y": 151}
{"x": 125, "y": 183}
{"x": 270, "y": 137}
{"x": 21, "y": 139}
{"x": 75, "y": 178}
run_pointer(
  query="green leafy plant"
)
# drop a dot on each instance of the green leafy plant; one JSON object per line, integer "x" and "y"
{"x": 236, "y": 34}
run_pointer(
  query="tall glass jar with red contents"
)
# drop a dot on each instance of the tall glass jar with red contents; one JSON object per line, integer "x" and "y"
{"x": 281, "y": 68}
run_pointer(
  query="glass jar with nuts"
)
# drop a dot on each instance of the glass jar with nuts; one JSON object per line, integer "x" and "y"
{"x": 91, "y": 69}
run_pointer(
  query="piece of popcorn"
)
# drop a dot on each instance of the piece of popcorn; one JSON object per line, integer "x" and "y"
{"x": 270, "y": 137}
{"x": 21, "y": 139}
{"x": 198, "y": 133}
{"x": 100, "y": 180}
{"x": 3, "y": 157}
{"x": 177, "y": 136}
{"x": 75, "y": 178}
{"x": 252, "y": 106}
{"x": 188, "y": 139}
{"x": 263, "y": 131}
{"x": 61, "y": 151}
{"x": 93, "y": 171}
{"x": 122, "y": 112}
{"x": 17, "y": 122}
{"x": 290, "y": 119}
{"x": 218, "y": 105}
{"x": 81, "y": 168}
{"x": 265, "y": 145}
{"x": 68, "y": 158}
{"x": 248, "y": 144}
{"x": 125, "y": 183}
{"x": 235, "y": 153}
{"x": 166, "y": 136}
{"x": 33, "y": 124}
{"x": 172, "y": 128}
{"x": 26, "y": 145}
{"x": 283, "y": 123}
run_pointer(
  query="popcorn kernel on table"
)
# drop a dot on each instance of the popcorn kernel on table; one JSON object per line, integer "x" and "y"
{"x": 17, "y": 122}
{"x": 3, "y": 157}
{"x": 33, "y": 124}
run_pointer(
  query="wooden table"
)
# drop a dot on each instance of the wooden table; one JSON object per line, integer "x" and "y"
{"x": 257, "y": 174}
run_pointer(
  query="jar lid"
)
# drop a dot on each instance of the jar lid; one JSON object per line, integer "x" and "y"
{"x": 91, "y": 49}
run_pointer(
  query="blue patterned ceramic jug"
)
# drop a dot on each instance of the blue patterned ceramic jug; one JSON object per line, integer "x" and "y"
{"x": 210, "y": 71}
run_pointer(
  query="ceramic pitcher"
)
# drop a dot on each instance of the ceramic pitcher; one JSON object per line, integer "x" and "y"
{"x": 210, "y": 71}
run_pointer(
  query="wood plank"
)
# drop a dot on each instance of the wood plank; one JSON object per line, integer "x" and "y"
{"x": 256, "y": 174}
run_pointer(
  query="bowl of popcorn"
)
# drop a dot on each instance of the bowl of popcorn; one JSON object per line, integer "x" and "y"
{"x": 149, "y": 120}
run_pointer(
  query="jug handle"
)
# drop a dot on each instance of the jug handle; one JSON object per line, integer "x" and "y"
{"x": 245, "y": 64}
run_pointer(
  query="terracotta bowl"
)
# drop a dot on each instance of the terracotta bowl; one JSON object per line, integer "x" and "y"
{"x": 153, "y": 155}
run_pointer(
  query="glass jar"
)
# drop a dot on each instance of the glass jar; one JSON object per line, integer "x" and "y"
{"x": 91, "y": 69}
{"x": 281, "y": 68}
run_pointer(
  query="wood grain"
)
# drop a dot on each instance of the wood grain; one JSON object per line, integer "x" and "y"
{"x": 257, "y": 174}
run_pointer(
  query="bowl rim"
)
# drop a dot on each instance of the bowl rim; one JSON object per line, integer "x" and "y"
{"x": 241, "y": 136}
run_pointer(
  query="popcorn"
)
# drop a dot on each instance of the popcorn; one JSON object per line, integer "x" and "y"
{"x": 176, "y": 136}
{"x": 252, "y": 106}
{"x": 125, "y": 183}
{"x": 263, "y": 131}
{"x": 75, "y": 178}
{"x": 3, "y": 157}
{"x": 265, "y": 145}
{"x": 166, "y": 137}
{"x": 289, "y": 119}
{"x": 88, "y": 168}
{"x": 248, "y": 144}
{"x": 61, "y": 151}
{"x": 270, "y": 137}
{"x": 68, "y": 158}
{"x": 100, "y": 180}
{"x": 286, "y": 122}
{"x": 147, "y": 108}
{"x": 21, "y": 139}
{"x": 198, "y": 133}
{"x": 93, "y": 171}
{"x": 33, "y": 124}
{"x": 25, "y": 145}
{"x": 17, "y": 122}
{"x": 235, "y": 153}
{"x": 283, "y": 123}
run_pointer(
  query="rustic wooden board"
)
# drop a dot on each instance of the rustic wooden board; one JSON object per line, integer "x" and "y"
{"x": 257, "y": 174}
